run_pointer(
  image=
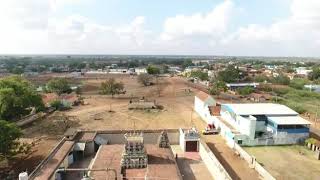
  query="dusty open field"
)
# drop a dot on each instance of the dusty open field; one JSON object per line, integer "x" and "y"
{"x": 177, "y": 106}
{"x": 177, "y": 112}
{"x": 287, "y": 162}
{"x": 171, "y": 94}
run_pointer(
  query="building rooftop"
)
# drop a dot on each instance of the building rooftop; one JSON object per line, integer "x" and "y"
{"x": 202, "y": 95}
{"x": 50, "y": 167}
{"x": 241, "y": 84}
{"x": 87, "y": 136}
{"x": 161, "y": 161}
{"x": 260, "y": 109}
{"x": 289, "y": 120}
{"x": 161, "y": 165}
{"x": 107, "y": 156}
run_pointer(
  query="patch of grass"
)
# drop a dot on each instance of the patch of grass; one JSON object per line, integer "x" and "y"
{"x": 299, "y": 100}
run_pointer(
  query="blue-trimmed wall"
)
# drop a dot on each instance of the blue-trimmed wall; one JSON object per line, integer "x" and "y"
{"x": 302, "y": 130}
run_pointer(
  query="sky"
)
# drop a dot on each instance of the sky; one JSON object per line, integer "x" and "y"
{"x": 166, "y": 27}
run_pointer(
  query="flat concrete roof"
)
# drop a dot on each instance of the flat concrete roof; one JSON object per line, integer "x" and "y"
{"x": 260, "y": 109}
{"x": 87, "y": 136}
{"x": 203, "y": 96}
{"x": 241, "y": 84}
{"x": 53, "y": 164}
{"x": 161, "y": 165}
{"x": 288, "y": 120}
{"x": 108, "y": 156}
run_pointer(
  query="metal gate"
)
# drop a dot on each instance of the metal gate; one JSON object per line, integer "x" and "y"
{"x": 191, "y": 146}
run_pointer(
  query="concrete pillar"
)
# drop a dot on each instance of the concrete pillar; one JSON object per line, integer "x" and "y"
{"x": 23, "y": 176}
{"x": 314, "y": 147}
{"x": 309, "y": 145}
{"x": 318, "y": 155}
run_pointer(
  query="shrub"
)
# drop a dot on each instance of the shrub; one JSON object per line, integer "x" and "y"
{"x": 261, "y": 78}
{"x": 310, "y": 140}
{"x": 298, "y": 83}
{"x": 245, "y": 90}
{"x": 60, "y": 105}
{"x": 281, "y": 91}
{"x": 281, "y": 79}
{"x": 298, "y": 108}
{"x": 145, "y": 79}
{"x": 199, "y": 74}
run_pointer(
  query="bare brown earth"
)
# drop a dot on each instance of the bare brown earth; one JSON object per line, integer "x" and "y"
{"x": 176, "y": 113}
{"x": 106, "y": 113}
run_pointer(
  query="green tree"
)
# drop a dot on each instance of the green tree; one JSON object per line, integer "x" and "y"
{"x": 17, "y": 97}
{"x": 245, "y": 90}
{"x": 9, "y": 135}
{"x": 153, "y": 70}
{"x": 298, "y": 83}
{"x": 187, "y": 63}
{"x": 17, "y": 70}
{"x": 59, "y": 86}
{"x": 164, "y": 68}
{"x": 229, "y": 75}
{"x": 218, "y": 87}
{"x": 261, "y": 78}
{"x": 145, "y": 79}
{"x": 111, "y": 87}
{"x": 281, "y": 79}
{"x": 315, "y": 74}
{"x": 199, "y": 74}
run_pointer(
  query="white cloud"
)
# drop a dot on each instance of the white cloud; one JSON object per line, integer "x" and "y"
{"x": 297, "y": 35}
{"x": 77, "y": 33}
{"x": 214, "y": 23}
{"x": 32, "y": 26}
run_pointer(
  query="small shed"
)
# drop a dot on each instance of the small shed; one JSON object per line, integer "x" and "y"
{"x": 142, "y": 104}
{"x": 189, "y": 140}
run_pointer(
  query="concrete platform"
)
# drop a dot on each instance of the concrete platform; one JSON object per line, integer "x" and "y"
{"x": 191, "y": 165}
{"x": 161, "y": 164}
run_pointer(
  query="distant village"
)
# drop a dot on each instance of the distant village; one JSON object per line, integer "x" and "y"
{"x": 153, "y": 116}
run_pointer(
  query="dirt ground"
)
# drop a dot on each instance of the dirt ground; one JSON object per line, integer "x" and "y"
{"x": 170, "y": 94}
{"x": 287, "y": 162}
{"x": 106, "y": 113}
{"x": 28, "y": 162}
{"x": 176, "y": 113}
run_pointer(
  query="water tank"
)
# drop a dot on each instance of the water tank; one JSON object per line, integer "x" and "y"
{"x": 23, "y": 176}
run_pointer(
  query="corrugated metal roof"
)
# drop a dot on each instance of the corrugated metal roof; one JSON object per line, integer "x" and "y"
{"x": 289, "y": 120}
{"x": 260, "y": 109}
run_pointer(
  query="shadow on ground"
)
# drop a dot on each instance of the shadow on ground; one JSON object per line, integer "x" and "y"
{"x": 224, "y": 163}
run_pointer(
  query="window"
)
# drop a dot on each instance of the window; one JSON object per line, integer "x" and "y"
{"x": 291, "y": 126}
{"x": 270, "y": 123}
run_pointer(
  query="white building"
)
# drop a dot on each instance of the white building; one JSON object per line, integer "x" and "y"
{"x": 141, "y": 70}
{"x": 303, "y": 71}
{"x": 189, "y": 140}
{"x": 234, "y": 86}
{"x": 202, "y": 102}
{"x": 255, "y": 124}
{"x": 265, "y": 123}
